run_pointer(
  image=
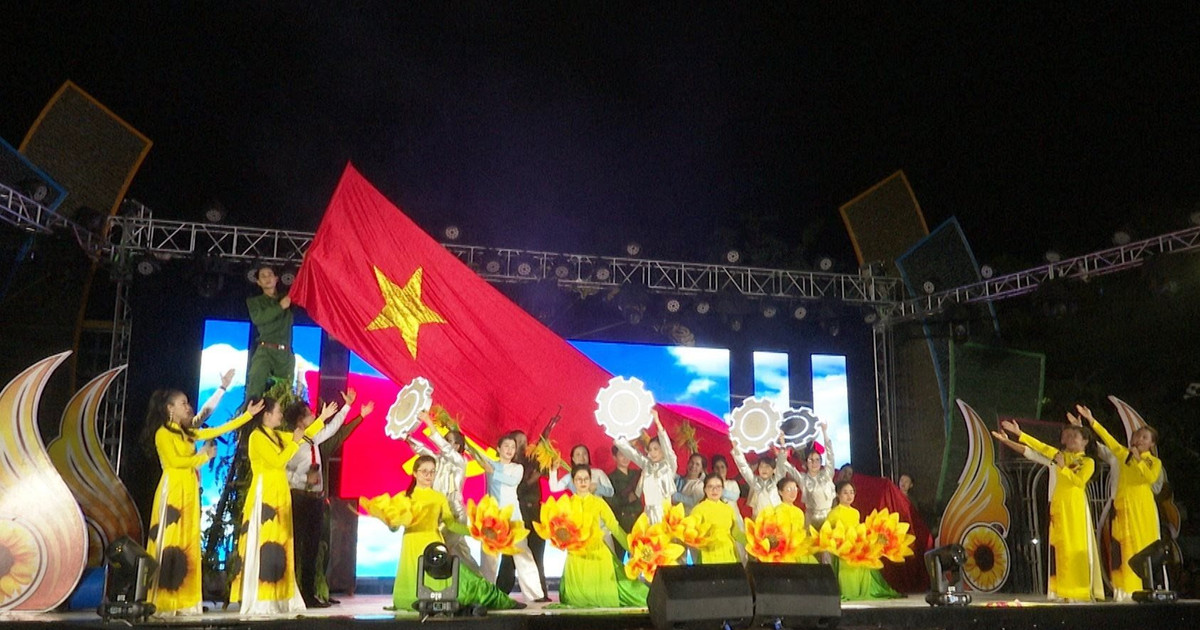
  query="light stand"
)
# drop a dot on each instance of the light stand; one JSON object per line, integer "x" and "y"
{"x": 438, "y": 563}
{"x": 127, "y": 587}
{"x": 943, "y": 591}
{"x": 1150, "y": 564}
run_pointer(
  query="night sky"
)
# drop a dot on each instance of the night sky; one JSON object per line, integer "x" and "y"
{"x": 687, "y": 128}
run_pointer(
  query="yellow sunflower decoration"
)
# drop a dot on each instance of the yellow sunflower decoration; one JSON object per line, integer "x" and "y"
{"x": 775, "y": 536}
{"x": 892, "y": 535}
{"x": 988, "y": 562}
{"x": 650, "y": 547}
{"x": 395, "y": 511}
{"x": 21, "y": 564}
{"x": 494, "y": 526}
{"x": 564, "y": 524}
{"x": 545, "y": 455}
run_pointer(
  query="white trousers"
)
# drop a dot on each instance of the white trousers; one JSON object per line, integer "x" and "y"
{"x": 528, "y": 578}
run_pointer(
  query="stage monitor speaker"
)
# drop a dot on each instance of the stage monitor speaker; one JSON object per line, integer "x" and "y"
{"x": 795, "y": 595}
{"x": 701, "y": 596}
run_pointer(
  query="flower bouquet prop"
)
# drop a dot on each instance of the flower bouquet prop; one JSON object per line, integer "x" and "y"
{"x": 494, "y": 526}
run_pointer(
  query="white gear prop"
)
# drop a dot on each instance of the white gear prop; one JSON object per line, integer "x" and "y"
{"x": 624, "y": 408}
{"x": 799, "y": 427}
{"x": 754, "y": 425}
{"x": 404, "y": 414}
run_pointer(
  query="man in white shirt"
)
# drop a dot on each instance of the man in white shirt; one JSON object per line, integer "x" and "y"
{"x": 308, "y": 493}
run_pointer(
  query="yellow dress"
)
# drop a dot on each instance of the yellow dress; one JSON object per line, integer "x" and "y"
{"x": 1135, "y": 522}
{"x": 592, "y": 577}
{"x": 174, "y": 536}
{"x": 266, "y": 581}
{"x": 857, "y": 582}
{"x": 796, "y": 515}
{"x": 722, "y": 547}
{"x": 1074, "y": 559}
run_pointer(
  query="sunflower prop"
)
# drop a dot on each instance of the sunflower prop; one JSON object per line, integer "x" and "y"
{"x": 494, "y": 526}
{"x": 442, "y": 418}
{"x": 564, "y": 524}
{"x": 890, "y": 533}
{"x": 832, "y": 538}
{"x": 859, "y": 549}
{"x": 544, "y": 455}
{"x": 650, "y": 547}
{"x": 395, "y": 511}
{"x": 776, "y": 536}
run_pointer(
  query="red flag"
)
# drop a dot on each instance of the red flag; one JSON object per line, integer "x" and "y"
{"x": 379, "y": 284}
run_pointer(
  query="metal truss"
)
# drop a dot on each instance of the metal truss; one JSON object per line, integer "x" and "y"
{"x": 885, "y": 413}
{"x": 28, "y": 215}
{"x": 141, "y": 234}
{"x": 1082, "y": 267}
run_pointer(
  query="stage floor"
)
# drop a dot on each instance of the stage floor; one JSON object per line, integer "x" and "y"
{"x": 985, "y": 612}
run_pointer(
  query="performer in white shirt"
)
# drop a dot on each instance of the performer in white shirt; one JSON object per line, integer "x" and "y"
{"x": 659, "y": 466}
{"x": 503, "y": 475}
{"x": 308, "y": 491}
{"x": 581, "y": 456}
{"x": 449, "y": 480}
{"x": 763, "y": 480}
{"x": 816, "y": 480}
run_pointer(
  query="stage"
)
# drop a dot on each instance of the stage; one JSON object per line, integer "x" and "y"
{"x": 986, "y": 612}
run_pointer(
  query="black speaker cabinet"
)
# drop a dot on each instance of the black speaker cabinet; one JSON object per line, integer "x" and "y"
{"x": 800, "y": 595}
{"x": 705, "y": 595}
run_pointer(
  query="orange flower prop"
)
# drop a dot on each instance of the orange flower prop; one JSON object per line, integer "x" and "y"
{"x": 832, "y": 538}
{"x": 860, "y": 549}
{"x": 891, "y": 534}
{"x": 650, "y": 547}
{"x": 673, "y": 516}
{"x": 494, "y": 527}
{"x": 694, "y": 532}
{"x": 395, "y": 511}
{"x": 775, "y": 536}
{"x": 564, "y": 524}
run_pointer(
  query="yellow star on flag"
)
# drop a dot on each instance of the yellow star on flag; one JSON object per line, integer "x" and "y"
{"x": 403, "y": 308}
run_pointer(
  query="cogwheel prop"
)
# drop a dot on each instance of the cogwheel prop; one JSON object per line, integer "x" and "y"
{"x": 799, "y": 427}
{"x": 404, "y": 414}
{"x": 754, "y": 425}
{"x": 623, "y": 408}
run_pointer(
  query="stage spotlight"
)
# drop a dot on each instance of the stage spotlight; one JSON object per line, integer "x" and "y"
{"x": 800, "y": 312}
{"x": 287, "y": 277}
{"x": 825, "y": 263}
{"x": 944, "y": 565}
{"x": 562, "y": 271}
{"x": 1052, "y": 256}
{"x": 928, "y": 287}
{"x": 633, "y": 248}
{"x": 214, "y": 211}
{"x": 870, "y": 316}
{"x": 451, "y": 232}
{"x": 603, "y": 274}
{"x": 769, "y": 310}
{"x": 437, "y": 563}
{"x": 703, "y": 307}
{"x": 733, "y": 256}
{"x": 987, "y": 272}
{"x": 673, "y": 305}
{"x": 147, "y": 267}
{"x": 127, "y": 588}
{"x": 1121, "y": 237}
{"x": 1150, "y": 564}
{"x": 525, "y": 269}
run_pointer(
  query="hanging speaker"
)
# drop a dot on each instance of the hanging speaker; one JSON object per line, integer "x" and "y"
{"x": 797, "y": 595}
{"x": 700, "y": 596}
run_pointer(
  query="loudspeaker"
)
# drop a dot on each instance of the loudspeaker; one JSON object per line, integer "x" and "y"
{"x": 798, "y": 595}
{"x": 704, "y": 595}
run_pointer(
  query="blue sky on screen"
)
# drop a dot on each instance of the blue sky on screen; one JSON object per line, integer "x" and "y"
{"x": 674, "y": 374}
{"x": 771, "y": 378}
{"x": 831, "y": 401}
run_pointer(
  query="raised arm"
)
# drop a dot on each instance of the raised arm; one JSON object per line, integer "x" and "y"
{"x": 1102, "y": 434}
{"x": 1043, "y": 449}
{"x": 169, "y": 456}
{"x": 603, "y": 485}
{"x": 208, "y": 433}
{"x": 668, "y": 449}
{"x": 210, "y": 405}
{"x": 828, "y": 444}
{"x": 739, "y": 460}
{"x": 263, "y": 449}
{"x": 488, "y": 464}
{"x": 634, "y": 456}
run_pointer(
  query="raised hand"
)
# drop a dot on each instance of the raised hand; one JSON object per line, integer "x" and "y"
{"x": 328, "y": 409}
{"x": 367, "y": 408}
{"x": 209, "y": 449}
{"x": 1000, "y": 435}
{"x": 226, "y": 379}
{"x": 1011, "y": 426}
{"x": 349, "y": 395}
{"x": 255, "y": 407}
{"x": 1085, "y": 413}
{"x": 1074, "y": 420}
{"x": 286, "y": 302}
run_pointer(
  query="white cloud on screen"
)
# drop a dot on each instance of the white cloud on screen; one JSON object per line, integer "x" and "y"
{"x": 216, "y": 359}
{"x": 698, "y": 386}
{"x": 830, "y": 404}
{"x": 713, "y": 362}
{"x": 771, "y": 378}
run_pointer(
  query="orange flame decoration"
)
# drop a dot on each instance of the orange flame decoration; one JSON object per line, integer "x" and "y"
{"x": 979, "y": 499}
{"x": 494, "y": 527}
{"x": 565, "y": 525}
{"x": 395, "y": 511}
{"x": 650, "y": 547}
{"x": 37, "y": 511}
{"x": 775, "y": 535}
{"x": 78, "y": 454}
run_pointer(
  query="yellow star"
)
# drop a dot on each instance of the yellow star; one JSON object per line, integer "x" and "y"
{"x": 403, "y": 308}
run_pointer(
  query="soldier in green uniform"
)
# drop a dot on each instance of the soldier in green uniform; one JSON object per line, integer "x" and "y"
{"x": 271, "y": 355}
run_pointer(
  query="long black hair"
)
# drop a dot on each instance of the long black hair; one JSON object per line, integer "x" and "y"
{"x": 157, "y": 416}
{"x": 256, "y": 423}
{"x": 412, "y": 485}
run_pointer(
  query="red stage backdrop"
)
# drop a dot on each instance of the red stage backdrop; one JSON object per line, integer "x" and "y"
{"x": 388, "y": 291}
